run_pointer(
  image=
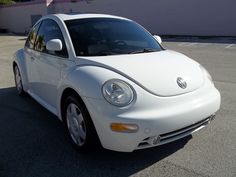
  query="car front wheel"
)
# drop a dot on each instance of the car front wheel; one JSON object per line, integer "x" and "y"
{"x": 79, "y": 124}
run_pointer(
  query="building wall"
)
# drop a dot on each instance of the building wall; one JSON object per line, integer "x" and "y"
{"x": 169, "y": 17}
{"x": 17, "y": 18}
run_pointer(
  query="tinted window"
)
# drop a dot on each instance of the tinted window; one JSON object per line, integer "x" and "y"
{"x": 32, "y": 37}
{"x": 107, "y": 36}
{"x": 47, "y": 31}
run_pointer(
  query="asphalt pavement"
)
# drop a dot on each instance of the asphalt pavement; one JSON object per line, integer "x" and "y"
{"x": 33, "y": 142}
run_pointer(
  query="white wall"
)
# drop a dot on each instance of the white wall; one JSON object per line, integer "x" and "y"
{"x": 17, "y": 19}
{"x": 176, "y": 17}
{"x": 169, "y": 17}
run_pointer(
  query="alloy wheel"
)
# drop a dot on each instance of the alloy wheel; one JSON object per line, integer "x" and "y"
{"x": 76, "y": 124}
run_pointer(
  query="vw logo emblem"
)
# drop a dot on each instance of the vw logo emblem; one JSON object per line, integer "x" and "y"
{"x": 181, "y": 82}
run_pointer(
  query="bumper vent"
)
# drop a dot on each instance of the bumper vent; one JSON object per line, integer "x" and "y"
{"x": 186, "y": 130}
{"x": 174, "y": 135}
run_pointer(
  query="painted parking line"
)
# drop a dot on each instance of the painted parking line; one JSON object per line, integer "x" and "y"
{"x": 204, "y": 44}
{"x": 182, "y": 44}
{"x": 229, "y": 46}
{"x": 197, "y": 44}
{"x": 193, "y": 44}
{"x": 186, "y": 44}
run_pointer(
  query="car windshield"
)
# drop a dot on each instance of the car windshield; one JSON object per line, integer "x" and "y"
{"x": 108, "y": 36}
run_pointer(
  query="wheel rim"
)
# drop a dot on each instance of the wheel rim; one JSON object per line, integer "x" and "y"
{"x": 76, "y": 124}
{"x": 18, "y": 80}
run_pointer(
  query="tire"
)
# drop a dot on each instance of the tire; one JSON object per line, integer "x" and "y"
{"x": 18, "y": 81}
{"x": 79, "y": 125}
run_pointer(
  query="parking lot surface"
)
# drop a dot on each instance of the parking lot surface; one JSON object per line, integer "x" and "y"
{"x": 33, "y": 142}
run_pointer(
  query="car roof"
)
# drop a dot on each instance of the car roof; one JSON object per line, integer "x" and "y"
{"x": 72, "y": 16}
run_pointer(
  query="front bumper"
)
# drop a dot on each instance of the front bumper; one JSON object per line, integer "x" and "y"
{"x": 160, "y": 119}
{"x": 174, "y": 135}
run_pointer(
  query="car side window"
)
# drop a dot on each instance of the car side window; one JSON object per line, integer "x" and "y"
{"x": 49, "y": 30}
{"x": 32, "y": 37}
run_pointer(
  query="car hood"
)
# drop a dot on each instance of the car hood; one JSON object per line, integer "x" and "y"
{"x": 156, "y": 72}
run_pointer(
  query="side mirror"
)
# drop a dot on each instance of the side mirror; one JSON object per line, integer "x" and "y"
{"x": 158, "y": 38}
{"x": 54, "y": 45}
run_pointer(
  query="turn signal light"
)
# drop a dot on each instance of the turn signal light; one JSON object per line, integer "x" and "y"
{"x": 124, "y": 128}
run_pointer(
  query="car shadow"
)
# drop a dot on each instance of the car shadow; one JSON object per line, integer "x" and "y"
{"x": 33, "y": 143}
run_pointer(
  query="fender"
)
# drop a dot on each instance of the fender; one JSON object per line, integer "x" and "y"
{"x": 19, "y": 59}
{"x": 87, "y": 81}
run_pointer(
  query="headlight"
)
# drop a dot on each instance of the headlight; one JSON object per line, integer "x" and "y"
{"x": 118, "y": 92}
{"x": 206, "y": 73}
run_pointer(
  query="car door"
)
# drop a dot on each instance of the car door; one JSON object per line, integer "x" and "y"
{"x": 47, "y": 64}
{"x": 29, "y": 53}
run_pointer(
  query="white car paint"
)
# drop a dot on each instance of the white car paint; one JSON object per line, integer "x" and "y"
{"x": 160, "y": 105}
{"x": 169, "y": 65}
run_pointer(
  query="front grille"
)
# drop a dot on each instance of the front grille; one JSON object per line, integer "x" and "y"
{"x": 186, "y": 130}
{"x": 177, "y": 134}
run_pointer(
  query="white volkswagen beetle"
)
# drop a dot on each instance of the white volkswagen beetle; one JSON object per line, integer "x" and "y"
{"x": 111, "y": 82}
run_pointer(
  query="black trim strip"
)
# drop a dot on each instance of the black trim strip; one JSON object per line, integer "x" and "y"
{"x": 189, "y": 129}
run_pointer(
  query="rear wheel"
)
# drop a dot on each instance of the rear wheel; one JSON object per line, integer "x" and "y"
{"x": 79, "y": 124}
{"x": 18, "y": 81}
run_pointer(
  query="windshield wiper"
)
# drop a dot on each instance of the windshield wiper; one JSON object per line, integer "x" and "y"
{"x": 104, "y": 53}
{"x": 145, "y": 50}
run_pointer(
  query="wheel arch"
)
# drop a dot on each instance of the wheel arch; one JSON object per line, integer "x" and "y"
{"x": 72, "y": 92}
{"x": 19, "y": 61}
{"x": 69, "y": 92}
